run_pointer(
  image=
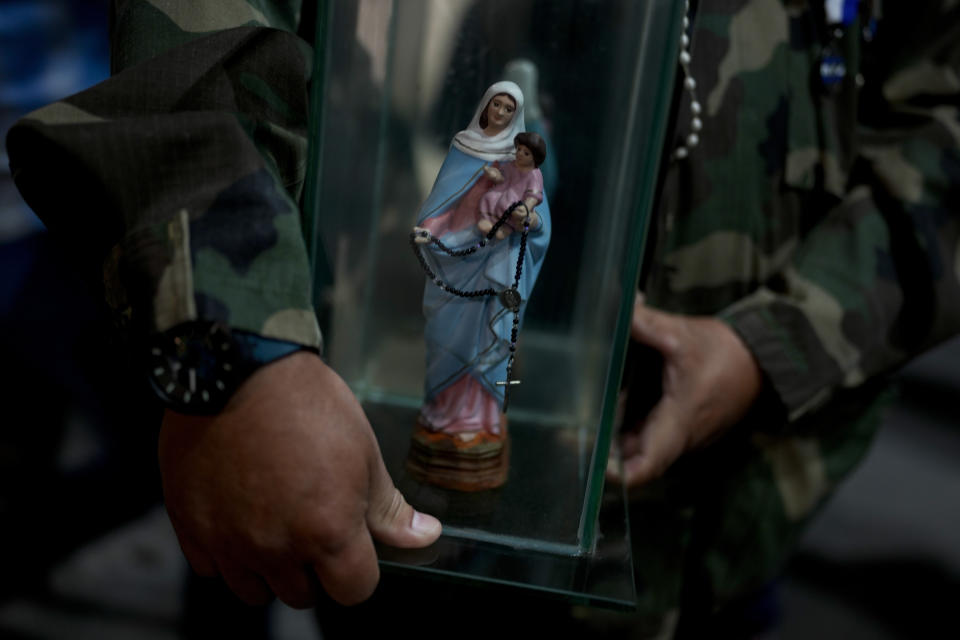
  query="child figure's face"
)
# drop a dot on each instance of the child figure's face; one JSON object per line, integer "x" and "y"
{"x": 499, "y": 113}
{"x": 524, "y": 157}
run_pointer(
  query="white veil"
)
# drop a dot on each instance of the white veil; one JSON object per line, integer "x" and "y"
{"x": 474, "y": 142}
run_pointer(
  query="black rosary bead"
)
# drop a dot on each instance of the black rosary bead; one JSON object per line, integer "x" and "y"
{"x": 483, "y": 241}
{"x": 513, "y": 291}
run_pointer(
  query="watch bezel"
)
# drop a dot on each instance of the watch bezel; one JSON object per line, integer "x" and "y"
{"x": 195, "y": 367}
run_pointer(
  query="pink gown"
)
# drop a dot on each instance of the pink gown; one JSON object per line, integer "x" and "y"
{"x": 465, "y": 405}
{"x": 517, "y": 185}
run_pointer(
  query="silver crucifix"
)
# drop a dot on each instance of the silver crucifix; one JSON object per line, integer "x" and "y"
{"x": 506, "y": 391}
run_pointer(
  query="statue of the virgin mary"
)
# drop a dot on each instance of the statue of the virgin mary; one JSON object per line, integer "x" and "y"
{"x": 468, "y": 339}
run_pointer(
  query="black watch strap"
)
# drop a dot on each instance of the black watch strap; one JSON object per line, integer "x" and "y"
{"x": 195, "y": 367}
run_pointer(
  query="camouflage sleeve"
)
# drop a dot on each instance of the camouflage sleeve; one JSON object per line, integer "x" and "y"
{"x": 876, "y": 281}
{"x": 180, "y": 174}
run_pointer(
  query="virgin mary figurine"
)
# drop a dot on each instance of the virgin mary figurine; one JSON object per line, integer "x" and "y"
{"x": 460, "y": 439}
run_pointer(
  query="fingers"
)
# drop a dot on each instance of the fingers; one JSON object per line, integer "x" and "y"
{"x": 248, "y": 586}
{"x": 655, "y": 328}
{"x": 350, "y": 574}
{"x": 293, "y": 585}
{"x": 653, "y": 447}
{"x": 613, "y": 471}
{"x": 347, "y": 571}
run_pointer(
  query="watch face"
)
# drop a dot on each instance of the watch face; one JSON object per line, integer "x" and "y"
{"x": 193, "y": 368}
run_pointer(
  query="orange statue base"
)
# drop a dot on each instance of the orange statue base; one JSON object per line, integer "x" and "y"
{"x": 469, "y": 461}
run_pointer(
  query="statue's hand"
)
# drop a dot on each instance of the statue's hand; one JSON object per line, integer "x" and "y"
{"x": 421, "y": 235}
{"x": 520, "y": 213}
{"x": 494, "y": 174}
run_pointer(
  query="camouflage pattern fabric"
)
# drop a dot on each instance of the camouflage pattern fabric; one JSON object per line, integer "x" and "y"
{"x": 822, "y": 227}
{"x": 182, "y": 171}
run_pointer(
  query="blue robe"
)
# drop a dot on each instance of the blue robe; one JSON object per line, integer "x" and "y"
{"x": 472, "y": 335}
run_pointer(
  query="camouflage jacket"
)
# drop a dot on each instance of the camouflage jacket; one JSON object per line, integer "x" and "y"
{"x": 821, "y": 226}
{"x": 203, "y": 123}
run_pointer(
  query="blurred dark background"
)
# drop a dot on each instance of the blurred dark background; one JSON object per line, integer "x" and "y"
{"x": 72, "y": 465}
{"x": 87, "y": 551}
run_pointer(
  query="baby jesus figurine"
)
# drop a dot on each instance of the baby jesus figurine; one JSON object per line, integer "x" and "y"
{"x": 516, "y": 181}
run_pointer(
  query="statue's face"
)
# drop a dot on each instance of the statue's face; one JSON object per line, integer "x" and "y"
{"x": 524, "y": 156}
{"x": 499, "y": 113}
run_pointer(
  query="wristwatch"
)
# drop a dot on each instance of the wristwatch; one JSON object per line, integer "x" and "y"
{"x": 195, "y": 367}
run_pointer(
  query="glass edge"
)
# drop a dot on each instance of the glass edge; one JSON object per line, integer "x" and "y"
{"x": 570, "y": 597}
{"x": 577, "y": 588}
{"x": 315, "y": 251}
{"x": 514, "y": 542}
{"x": 322, "y": 276}
{"x": 373, "y": 237}
{"x": 638, "y": 233}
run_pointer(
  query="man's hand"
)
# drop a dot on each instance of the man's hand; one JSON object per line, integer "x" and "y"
{"x": 710, "y": 381}
{"x": 284, "y": 486}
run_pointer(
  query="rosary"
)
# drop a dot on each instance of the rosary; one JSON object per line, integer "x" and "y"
{"x": 510, "y": 297}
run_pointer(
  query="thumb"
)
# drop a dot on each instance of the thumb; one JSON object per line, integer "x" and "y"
{"x": 394, "y": 522}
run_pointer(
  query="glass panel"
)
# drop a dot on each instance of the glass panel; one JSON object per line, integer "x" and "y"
{"x": 395, "y": 82}
{"x": 602, "y": 577}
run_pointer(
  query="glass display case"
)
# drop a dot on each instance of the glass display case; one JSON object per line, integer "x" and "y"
{"x": 394, "y": 82}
